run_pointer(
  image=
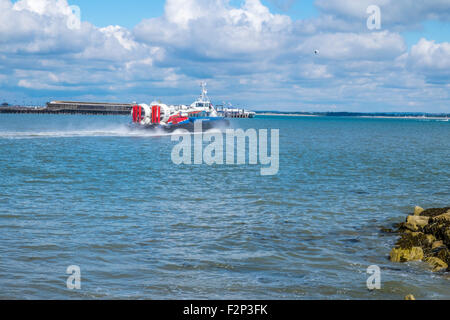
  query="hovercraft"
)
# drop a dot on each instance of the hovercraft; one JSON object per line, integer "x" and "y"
{"x": 159, "y": 116}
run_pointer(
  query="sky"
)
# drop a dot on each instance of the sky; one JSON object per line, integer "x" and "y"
{"x": 287, "y": 55}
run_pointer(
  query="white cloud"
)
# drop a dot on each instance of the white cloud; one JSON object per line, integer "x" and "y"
{"x": 314, "y": 71}
{"x": 403, "y": 14}
{"x": 355, "y": 46}
{"x": 248, "y": 54}
{"x": 431, "y": 58}
{"x": 41, "y": 51}
{"x": 213, "y": 29}
{"x": 44, "y": 7}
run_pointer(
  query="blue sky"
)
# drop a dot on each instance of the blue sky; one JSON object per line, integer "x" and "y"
{"x": 430, "y": 29}
{"x": 129, "y": 13}
{"x": 112, "y": 12}
{"x": 254, "y": 53}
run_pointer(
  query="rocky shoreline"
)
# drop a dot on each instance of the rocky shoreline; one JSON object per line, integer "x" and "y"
{"x": 424, "y": 236}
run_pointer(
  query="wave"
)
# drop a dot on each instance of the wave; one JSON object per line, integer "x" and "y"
{"x": 121, "y": 131}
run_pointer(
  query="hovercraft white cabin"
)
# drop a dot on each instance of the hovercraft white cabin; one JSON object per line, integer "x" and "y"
{"x": 161, "y": 116}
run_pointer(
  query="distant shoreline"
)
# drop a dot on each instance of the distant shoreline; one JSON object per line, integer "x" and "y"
{"x": 286, "y": 114}
{"x": 112, "y": 111}
{"x": 380, "y": 115}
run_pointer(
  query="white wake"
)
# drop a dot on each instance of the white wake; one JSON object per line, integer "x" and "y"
{"x": 120, "y": 131}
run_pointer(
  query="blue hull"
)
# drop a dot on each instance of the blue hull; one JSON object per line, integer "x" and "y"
{"x": 189, "y": 125}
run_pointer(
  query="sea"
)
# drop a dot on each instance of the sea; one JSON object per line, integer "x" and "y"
{"x": 89, "y": 194}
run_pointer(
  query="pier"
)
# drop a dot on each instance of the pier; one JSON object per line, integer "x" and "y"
{"x": 234, "y": 113}
{"x": 73, "y": 107}
{"x": 104, "y": 108}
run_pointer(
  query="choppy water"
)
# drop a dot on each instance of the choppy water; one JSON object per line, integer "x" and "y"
{"x": 84, "y": 190}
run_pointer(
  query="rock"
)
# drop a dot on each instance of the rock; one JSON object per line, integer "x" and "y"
{"x": 421, "y": 239}
{"x": 414, "y": 223}
{"x": 445, "y": 217}
{"x": 387, "y": 230}
{"x": 399, "y": 226}
{"x": 410, "y": 297}
{"x": 436, "y": 263}
{"x": 430, "y": 239}
{"x": 441, "y": 230}
{"x": 424, "y": 236}
{"x": 434, "y": 212}
{"x": 406, "y": 254}
{"x": 415, "y": 239}
{"x": 418, "y": 211}
{"x": 437, "y": 244}
{"x": 444, "y": 255}
{"x": 446, "y": 237}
